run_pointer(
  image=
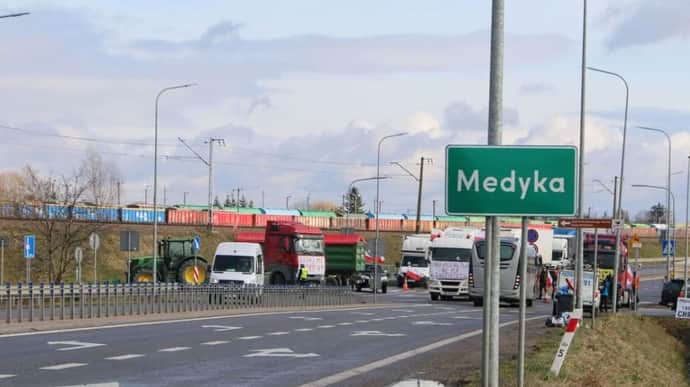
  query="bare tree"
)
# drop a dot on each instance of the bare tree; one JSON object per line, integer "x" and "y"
{"x": 51, "y": 201}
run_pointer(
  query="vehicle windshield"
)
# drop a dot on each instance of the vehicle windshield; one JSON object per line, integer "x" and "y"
{"x": 507, "y": 251}
{"x": 309, "y": 246}
{"x": 234, "y": 263}
{"x": 414, "y": 261}
{"x": 605, "y": 259}
{"x": 556, "y": 255}
{"x": 453, "y": 254}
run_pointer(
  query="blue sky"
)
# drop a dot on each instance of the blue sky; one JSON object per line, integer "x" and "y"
{"x": 302, "y": 91}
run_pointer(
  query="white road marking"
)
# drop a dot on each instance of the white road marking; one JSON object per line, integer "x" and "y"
{"x": 125, "y": 357}
{"x": 220, "y": 328}
{"x": 341, "y": 376}
{"x": 173, "y": 349}
{"x": 217, "y": 342}
{"x": 389, "y": 318}
{"x": 278, "y": 333}
{"x": 467, "y": 318}
{"x": 304, "y": 329}
{"x": 362, "y": 321}
{"x": 74, "y": 345}
{"x": 279, "y": 352}
{"x": 326, "y": 326}
{"x": 186, "y": 320}
{"x": 404, "y": 316}
{"x": 6, "y": 376}
{"x": 376, "y": 333}
{"x": 363, "y": 313}
{"x": 64, "y": 366}
{"x": 345, "y": 323}
{"x": 249, "y": 337}
{"x": 402, "y": 310}
{"x": 305, "y": 318}
{"x": 377, "y": 319}
{"x": 111, "y": 384}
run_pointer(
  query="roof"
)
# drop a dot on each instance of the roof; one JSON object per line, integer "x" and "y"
{"x": 342, "y": 239}
{"x": 278, "y": 211}
{"x": 251, "y": 237}
{"x": 299, "y": 228}
{"x": 318, "y": 214}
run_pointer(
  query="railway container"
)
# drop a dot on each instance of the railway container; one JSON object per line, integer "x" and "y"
{"x": 95, "y": 214}
{"x": 190, "y": 217}
{"x": 225, "y": 218}
{"x": 141, "y": 215}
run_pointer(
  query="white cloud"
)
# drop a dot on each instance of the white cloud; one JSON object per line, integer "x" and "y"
{"x": 422, "y": 122}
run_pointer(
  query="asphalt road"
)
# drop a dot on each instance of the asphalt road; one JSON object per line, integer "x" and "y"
{"x": 285, "y": 349}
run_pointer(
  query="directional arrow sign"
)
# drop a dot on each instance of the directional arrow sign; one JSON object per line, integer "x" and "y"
{"x": 220, "y": 328}
{"x": 585, "y": 223}
{"x": 376, "y": 333}
{"x": 73, "y": 345}
{"x": 279, "y": 352}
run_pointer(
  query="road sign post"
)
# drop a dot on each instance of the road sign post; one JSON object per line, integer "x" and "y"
{"x": 29, "y": 254}
{"x": 78, "y": 256}
{"x": 196, "y": 246}
{"x": 511, "y": 180}
{"x": 3, "y": 243}
{"x": 129, "y": 241}
{"x": 95, "y": 243}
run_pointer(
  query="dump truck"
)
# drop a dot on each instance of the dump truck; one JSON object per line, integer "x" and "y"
{"x": 176, "y": 262}
{"x": 286, "y": 246}
{"x": 344, "y": 257}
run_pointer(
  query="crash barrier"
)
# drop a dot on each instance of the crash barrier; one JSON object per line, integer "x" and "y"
{"x": 44, "y": 302}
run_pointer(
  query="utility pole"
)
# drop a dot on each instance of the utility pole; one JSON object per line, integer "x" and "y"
{"x": 146, "y": 194}
{"x": 118, "y": 191}
{"x": 615, "y": 196}
{"x": 165, "y": 195}
{"x": 237, "y": 202}
{"x": 308, "y": 194}
{"x": 184, "y": 198}
{"x": 433, "y": 213}
{"x": 579, "y": 264}
{"x": 492, "y": 274}
{"x": 287, "y": 202}
{"x": 263, "y": 203}
{"x": 418, "y": 223}
{"x": 209, "y": 164}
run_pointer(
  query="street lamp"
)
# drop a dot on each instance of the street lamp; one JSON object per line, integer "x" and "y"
{"x": 669, "y": 210}
{"x": 668, "y": 188}
{"x": 352, "y": 183}
{"x": 378, "y": 206}
{"x": 155, "y": 176}
{"x": 14, "y": 15}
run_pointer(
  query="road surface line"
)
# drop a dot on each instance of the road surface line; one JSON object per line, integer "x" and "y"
{"x": 345, "y": 323}
{"x": 190, "y": 319}
{"x": 173, "y": 349}
{"x": 341, "y": 376}
{"x": 326, "y": 326}
{"x": 6, "y": 376}
{"x": 278, "y": 333}
{"x": 217, "y": 342}
{"x": 63, "y": 366}
{"x": 304, "y": 329}
{"x": 125, "y": 357}
{"x": 249, "y": 337}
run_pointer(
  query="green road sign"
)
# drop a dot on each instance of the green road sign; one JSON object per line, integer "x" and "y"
{"x": 511, "y": 180}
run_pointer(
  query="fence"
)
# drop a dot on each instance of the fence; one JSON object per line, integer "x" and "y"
{"x": 47, "y": 302}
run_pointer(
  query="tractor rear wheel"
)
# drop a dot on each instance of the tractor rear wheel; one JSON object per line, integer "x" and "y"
{"x": 186, "y": 273}
{"x": 143, "y": 275}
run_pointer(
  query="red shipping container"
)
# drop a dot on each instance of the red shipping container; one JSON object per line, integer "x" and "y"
{"x": 191, "y": 217}
{"x": 260, "y": 220}
{"x": 356, "y": 223}
{"x": 232, "y": 219}
{"x": 315, "y": 221}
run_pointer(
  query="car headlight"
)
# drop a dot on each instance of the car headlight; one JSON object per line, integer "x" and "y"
{"x": 433, "y": 282}
{"x": 213, "y": 280}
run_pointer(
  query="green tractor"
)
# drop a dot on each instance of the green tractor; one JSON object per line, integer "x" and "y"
{"x": 175, "y": 263}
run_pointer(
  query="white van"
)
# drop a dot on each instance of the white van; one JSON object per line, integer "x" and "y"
{"x": 238, "y": 263}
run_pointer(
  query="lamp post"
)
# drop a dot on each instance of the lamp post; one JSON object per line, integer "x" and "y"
{"x": 668, "y": 189}
{"x": 669, "y": 210}
{"x": 419, "y": 180}
{"x": 14, "y": 15}
{"x": 155, "y": 175}
{"x": 287, "y": 202}
{"x": 352, "y": 183}
{"x": 378, "y": 205}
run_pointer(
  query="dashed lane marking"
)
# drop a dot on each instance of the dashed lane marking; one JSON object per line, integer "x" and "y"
{"x": 221, "y": 328}
{"x": 362, "y": 321}
{"x": 377, "y": 319}
{"x": 125, "y": 357}
{"x": 173, "y": 349}
{"x": 304, "y": 329}
{"x": 278, "y": 333}
{"x": 63, "y": 366}
{"x": 217, "y": 342}
{"x": 363, "y": 313}
{"x": 326, "y": 326}
{"x": 249, "y": 337}
{"x": 6, "y": 376}
{"x": 345, "y": 323}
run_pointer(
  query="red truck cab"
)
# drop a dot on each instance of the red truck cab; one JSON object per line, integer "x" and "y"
{"x": 286, "y": 246}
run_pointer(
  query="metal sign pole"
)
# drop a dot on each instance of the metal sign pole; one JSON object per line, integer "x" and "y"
{"x": 523, "y": 302}
{"x": 595, "y": 277}
{"x": 2, "y": 261}
{"x": 637, "y": 273}
{"x": 95, "y": 263}
{"x": 129, "y": 257}
{"x": 28, "y": 271}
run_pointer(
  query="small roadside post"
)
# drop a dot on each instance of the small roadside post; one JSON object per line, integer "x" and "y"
{"x": 95, "y": 243}
{"x": 29, "y": 254}
{"x": 196, "y": 246}
{"x": 3, "y": 243}
{"x": 78, "y": 256}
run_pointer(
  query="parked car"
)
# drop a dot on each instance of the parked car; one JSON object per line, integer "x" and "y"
{"x": 671, "y": 291}
{"x": 365, "y": 279}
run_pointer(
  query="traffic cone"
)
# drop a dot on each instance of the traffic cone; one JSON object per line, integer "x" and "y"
{"x": 405, "y": 287}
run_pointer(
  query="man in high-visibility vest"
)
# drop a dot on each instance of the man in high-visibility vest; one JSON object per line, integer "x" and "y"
{"x": 302, "y": 274}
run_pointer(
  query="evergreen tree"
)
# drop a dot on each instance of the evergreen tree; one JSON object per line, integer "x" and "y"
{"x": 251, "y": 204}
{"x": 243, "y": 202}
{"x": 656, "y": 213}
{"x": 216, "y": 202}
{"x": 353, "y": 202}
{"x": 227, "y": 201}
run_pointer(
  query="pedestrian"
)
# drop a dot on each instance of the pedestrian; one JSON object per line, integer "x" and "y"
{"x": 554, "y": 282}
{"x": 605, "y": 294}
{"x": 542, "y": 282}
{"x": 302, "y": 275}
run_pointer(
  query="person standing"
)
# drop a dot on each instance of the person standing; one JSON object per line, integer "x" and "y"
{"x": 302, "y": 275}
{"x": 605, "y": 294}
{"x": 542, "y": 282}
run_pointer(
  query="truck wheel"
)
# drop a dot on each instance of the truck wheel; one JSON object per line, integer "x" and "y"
{"x": 358, "y": 288}
{"x": 143, "y": 275}
{"x": 384, "y": 288}
{"x": 185, "y": 274}
{"x": 477, "y": 302}
{"x": 434, "y": 296}
{"x": 277, "y": 279}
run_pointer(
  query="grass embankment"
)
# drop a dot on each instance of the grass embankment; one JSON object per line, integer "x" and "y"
{"x": 623, "y": 350}
{"x": 112, "y": 263}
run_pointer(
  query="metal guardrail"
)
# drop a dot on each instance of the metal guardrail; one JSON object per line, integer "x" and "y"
{"x": 45, "y": 302}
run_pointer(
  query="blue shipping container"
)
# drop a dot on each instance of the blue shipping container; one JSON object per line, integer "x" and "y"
{"x": 95, "y": 214}
{"x": 141, "y": 215}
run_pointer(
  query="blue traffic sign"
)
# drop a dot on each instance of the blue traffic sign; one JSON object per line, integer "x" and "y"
{"x": 196, "y": 244}
{"x": 30, "y": 246}
{"x": 668, "y": 248}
